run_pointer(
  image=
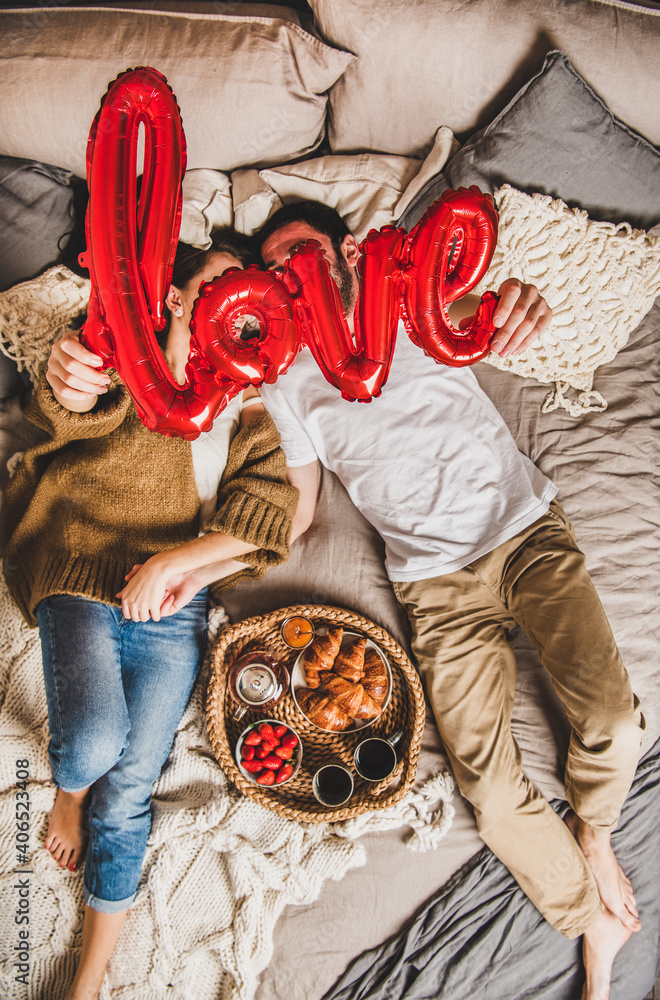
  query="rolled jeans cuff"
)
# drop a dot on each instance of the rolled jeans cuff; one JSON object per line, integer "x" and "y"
{"x": 107, "y": 905}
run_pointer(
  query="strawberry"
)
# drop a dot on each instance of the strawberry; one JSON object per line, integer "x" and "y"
{"x": 266, "y": 731}
{"x": 279, "y": 731}
{"x": 253, "y": 739}
{"x": 247, "y": 753}
{"x": 263, "y": 752}
{"x": 272, "y": 762}
{"x": 271, "y": 744}
{"x": 283, "y": 774}
{"x": 290, "y": 740}
{"x": 284, "y": 753}
{"x": 266, "y": 778}
{"x": 253, "y": 766}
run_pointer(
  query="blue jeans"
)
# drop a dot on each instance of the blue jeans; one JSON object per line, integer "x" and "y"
{"x": 116, "y": 691}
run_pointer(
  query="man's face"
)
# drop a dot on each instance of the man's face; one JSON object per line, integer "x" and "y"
{"x": 279, "y": 246}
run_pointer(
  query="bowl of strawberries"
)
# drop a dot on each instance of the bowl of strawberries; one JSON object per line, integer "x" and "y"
{"x": 269, "y": 753}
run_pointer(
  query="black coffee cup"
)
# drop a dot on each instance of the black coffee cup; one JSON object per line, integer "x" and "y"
{"x": 375, "y": 758}
{"x": 332, "y": 784}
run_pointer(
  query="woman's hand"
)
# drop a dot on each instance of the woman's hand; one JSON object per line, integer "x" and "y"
{"x": 156, "y": 589}
{"x": 73, "y": 376}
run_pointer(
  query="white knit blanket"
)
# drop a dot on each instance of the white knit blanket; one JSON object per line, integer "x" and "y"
{"x": 219, "y": 868}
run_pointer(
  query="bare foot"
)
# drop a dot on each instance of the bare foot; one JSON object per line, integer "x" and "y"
{"x": 600, "y": 944}
{"x": 66, "y": 829}
{"x": 614, "y": 887}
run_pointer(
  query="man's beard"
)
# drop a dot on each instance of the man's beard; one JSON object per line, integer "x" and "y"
{"x": 343, "y": 278}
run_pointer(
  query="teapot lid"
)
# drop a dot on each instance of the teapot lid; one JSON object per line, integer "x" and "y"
{"x": 256, "y": 684}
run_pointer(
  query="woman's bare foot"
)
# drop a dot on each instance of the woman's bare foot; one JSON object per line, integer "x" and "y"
{"x": 66, "y": 828}
{"x": 600, "y": 944}
{"x": 614, "y": 887}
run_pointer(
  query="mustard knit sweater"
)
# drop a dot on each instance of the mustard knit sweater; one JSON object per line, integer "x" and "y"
{"x": 102, "y": 493}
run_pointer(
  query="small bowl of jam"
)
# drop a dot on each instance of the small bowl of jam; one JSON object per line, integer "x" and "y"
{"x": 297, "y": 631}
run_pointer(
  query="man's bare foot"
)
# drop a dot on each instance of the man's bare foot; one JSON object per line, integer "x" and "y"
{"x": 600, "y": 944}
{"x": 614, "y": 887}
{"x": 66, "y": 828}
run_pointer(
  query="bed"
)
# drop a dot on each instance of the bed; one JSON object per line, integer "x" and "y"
{"x": 376, "y": 108}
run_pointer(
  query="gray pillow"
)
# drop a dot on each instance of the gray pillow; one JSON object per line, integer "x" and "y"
{"x": 557, "y": 137}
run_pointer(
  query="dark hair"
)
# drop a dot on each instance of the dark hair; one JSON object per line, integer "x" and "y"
{"x": 189, "y": 261}
{"x": 320, "y": 217}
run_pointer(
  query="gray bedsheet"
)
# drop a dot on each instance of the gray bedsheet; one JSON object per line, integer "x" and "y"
{"x": 479, "y": 936}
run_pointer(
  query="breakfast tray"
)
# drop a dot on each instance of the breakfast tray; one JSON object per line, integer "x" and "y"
{"x": 405, "y": 711}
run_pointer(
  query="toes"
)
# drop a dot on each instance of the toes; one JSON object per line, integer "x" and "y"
{"x": 65, "y": 858}
{"x": 58, "y": 850}
{"x": 629, "y": 920}
{"x": 75, "y": 859}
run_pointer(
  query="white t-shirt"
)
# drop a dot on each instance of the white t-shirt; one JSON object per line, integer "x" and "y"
{"x": 430, "y": 463}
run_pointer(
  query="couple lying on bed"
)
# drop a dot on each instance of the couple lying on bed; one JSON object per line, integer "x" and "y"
{"x": 475, "y": 544}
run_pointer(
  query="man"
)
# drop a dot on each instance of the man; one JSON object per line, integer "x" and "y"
{"x": 475, "y": 544}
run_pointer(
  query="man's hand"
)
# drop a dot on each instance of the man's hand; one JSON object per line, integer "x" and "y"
{"x": 73, "y": 376}
{"x": 521, "y": 315}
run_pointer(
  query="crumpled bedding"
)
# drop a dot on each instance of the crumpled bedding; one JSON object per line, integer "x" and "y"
{"x": 480, "y": 936}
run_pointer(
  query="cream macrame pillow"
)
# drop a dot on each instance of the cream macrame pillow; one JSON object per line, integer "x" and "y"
{"x": 34, "y": 313}
{"x": 599, "y": 279}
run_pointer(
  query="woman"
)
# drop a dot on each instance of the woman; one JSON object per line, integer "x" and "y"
{"x": 104, "y": 552}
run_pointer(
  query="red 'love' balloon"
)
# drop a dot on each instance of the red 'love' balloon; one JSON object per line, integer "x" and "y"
{"x": 447, "y": 254}
{"x": 130, "y": 252}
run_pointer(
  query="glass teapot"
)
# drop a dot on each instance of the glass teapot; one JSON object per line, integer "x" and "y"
{"x": 257, "y": 680}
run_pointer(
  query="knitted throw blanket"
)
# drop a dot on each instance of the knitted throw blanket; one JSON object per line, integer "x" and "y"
{"x": 219, "y": 868}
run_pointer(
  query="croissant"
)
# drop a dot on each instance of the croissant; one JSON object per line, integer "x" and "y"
{"x": 375, "y": 681}
{"x": 350, "y": 660}
{"x": 323, "y": 712}
{"x": 321, "y": 655}
{"x": 351, "y": 698}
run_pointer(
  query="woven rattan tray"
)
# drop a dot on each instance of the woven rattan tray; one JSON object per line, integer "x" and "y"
{"x": 295, "y": 800}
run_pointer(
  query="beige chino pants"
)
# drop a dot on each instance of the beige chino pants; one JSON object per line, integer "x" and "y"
{"x": 462, "y": 624}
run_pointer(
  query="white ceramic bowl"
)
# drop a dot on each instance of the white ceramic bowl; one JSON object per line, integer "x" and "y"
{"x": 298, "y": 681}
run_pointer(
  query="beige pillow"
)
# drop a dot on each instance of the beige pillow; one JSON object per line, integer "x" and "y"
{"x": 368, "y": 190}
{"x": 599, "y": 279}
{"x": 429, "y": 62}
{"x": 206, "y": 206}
{"x": 251, "y": 88}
